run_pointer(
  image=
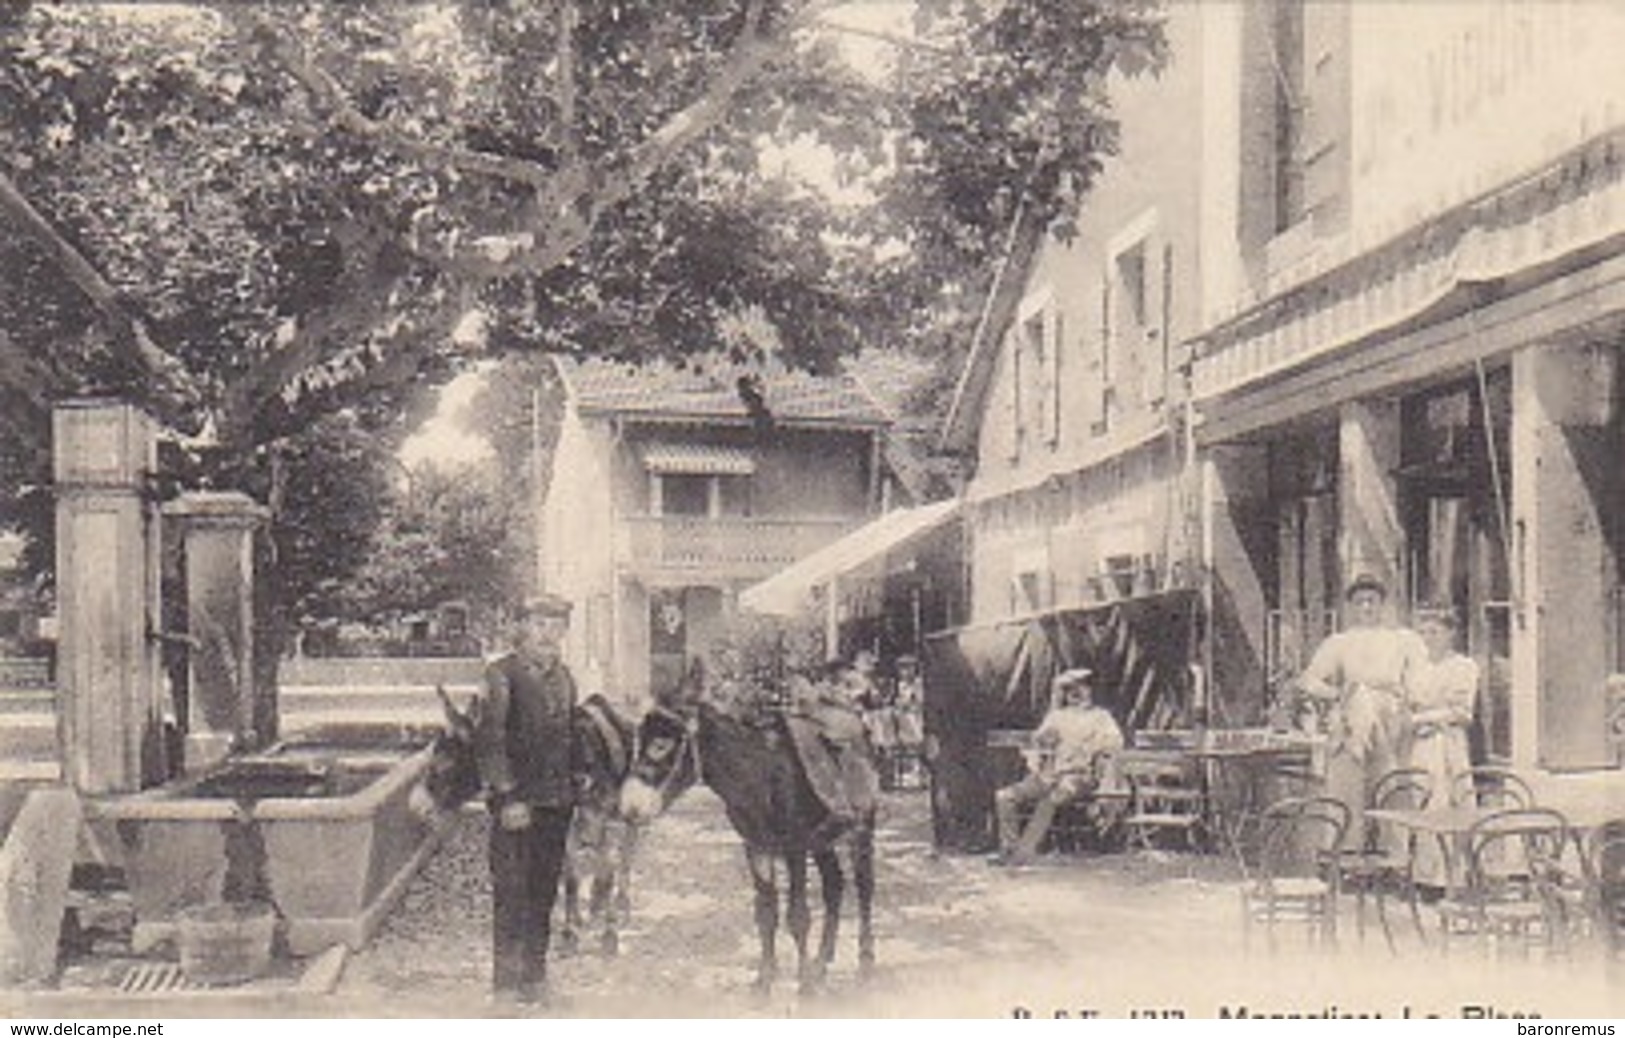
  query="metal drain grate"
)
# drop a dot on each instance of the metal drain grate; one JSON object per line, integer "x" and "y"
{"x": 154, "y": 977}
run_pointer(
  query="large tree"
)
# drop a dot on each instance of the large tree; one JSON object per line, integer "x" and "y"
{"x": 256, "y": 218}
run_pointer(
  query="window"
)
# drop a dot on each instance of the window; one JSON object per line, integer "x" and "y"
{"x": 1031, "y": 586}
{"x": 1131, "y": 287}
{"x": 736, "y": 496}
{"x": 1132, "y": 299}
{"x": 1036, "y": 368}
{"x": 1034, "y": 348}
{"x": 685, "y": 495}
{"x": 1040, "y": 337}
{"x": 1296, "y": 124}
{"x": 1029, "y": 592}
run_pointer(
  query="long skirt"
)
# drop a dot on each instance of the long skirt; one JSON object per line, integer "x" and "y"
{"x": 1443, "y": 755}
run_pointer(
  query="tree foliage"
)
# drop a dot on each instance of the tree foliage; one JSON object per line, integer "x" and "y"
{"x": 449, "y": 536}
{"x": 273, "y": 214}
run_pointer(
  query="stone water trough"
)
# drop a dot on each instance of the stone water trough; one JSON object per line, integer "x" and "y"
{"x": 318, "y": 825}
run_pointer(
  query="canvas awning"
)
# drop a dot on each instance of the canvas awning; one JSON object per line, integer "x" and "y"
{"x": 697, "y": 459}
{"x": 992, "y": 677}
{"x": 787, "y": 591}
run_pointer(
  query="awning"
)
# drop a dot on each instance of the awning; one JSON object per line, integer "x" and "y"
{"x": 697, "y": 459}
{"x": 787, "y": 591}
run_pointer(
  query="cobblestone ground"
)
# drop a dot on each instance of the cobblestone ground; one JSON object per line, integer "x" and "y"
{"x": 1114, "y": 934}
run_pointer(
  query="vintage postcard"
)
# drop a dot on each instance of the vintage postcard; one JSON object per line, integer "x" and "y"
{"x": 812, "y": 508}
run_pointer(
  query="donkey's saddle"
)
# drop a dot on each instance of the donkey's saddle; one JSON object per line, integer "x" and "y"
{"x": 833, "y": 749}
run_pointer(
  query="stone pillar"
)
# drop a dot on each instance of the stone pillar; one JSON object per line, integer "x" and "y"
{"x": 110, "y": 728}
{"x": 1235, "y": 540}
{"x": 217, "y": 531}
{"x": 1371, "y": 539}
{"x": 1565, "y": 493}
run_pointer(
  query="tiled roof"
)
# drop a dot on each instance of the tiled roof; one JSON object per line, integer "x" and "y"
{"x": 664, "y": 391}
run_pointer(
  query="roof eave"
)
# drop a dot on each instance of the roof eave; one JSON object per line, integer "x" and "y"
{"x": 701, "y": 418}
{"x": 561, "y": 367}
{"x": 970, "y": 394}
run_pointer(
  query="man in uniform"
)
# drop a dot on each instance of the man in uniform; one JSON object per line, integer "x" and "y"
{"x": 523, "y": 744}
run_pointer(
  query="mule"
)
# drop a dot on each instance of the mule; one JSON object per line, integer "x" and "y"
{"x": 602, "y": 841}
{"x": 749, "y": 760}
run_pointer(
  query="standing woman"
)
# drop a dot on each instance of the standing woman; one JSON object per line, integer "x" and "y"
{"x": 1442, "y": 691}
{"x": 1359, "y": 676}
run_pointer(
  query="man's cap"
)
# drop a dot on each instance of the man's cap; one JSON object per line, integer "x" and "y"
{"x": 545, "y": 604}
{"x": 1074, "y": 677}
{"x": 1366, "y": 582}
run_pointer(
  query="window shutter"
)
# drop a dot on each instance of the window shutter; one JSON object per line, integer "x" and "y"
{"x": 1154, "y": 350}
{"x": 1325, "y": 143}
{"x": 1108, "y": 328}
{"x": 1013, "y": 350}
{"x": 1054, "y": 334}
{"x": 1100, "y": 393}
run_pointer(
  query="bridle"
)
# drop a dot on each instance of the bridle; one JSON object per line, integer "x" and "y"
{"x": 688, "y": 744}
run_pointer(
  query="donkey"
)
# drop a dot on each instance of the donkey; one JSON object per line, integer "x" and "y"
{"x": 750, "y": 760}
{"x": 602, "y": 841}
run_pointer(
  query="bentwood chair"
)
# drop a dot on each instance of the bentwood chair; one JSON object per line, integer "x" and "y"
{"x": 1379, "y": 858}
{"x": 1297, "y": 877}
{"x": 1605, "y": 860}
{"x": 1516, "y": 870}
{"x": 1488, "y": 786}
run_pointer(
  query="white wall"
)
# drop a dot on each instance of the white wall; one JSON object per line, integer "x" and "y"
{"x": 1453, "y": 97}
{"x": 578, "y": 531}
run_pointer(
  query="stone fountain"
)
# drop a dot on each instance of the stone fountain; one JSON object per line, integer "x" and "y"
{"x": 317, "y": 827}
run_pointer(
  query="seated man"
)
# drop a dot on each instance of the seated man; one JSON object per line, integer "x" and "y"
{"x": 1074, "y": 743}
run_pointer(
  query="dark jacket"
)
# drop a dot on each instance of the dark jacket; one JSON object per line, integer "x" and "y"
{"x": 524, "y": 737}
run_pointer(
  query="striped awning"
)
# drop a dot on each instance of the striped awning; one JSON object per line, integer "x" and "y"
{"x": 788, "y": 590}
{"x": 697, "y": 459}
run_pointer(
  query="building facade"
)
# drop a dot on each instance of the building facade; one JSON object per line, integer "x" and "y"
{"x": 1349, "y": 301}
{"x": 1072, "y": 402}
{"x": 1414, "y": 371}
{"x": 669, "y": 496}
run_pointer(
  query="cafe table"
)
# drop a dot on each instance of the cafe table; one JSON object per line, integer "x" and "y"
{"x": 1449, "y": 827}
{"x": 1243, "y": 770}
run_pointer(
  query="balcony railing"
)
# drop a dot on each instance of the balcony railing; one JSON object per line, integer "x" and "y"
{"x": 735, "y": 545}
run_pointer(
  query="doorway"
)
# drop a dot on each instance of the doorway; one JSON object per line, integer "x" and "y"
{"x": 1455, "y": 493}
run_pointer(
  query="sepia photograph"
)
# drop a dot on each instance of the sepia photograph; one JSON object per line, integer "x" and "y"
{"x": 764, "y": 509}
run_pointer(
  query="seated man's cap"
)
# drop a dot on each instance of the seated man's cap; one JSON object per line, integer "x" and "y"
{"x": 1075, "y": 676}
{"x": 546, "y": 604}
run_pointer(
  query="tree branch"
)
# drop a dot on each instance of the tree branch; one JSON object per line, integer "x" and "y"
{"x": 174, "y": 393}
{"x": 329, "y": 98}
{"x": 566, "y": 212}
{"x": 395, "y": 366}
{"x": 568, "y": 201}
{"x": 567, "y": 82}
{"x": 900, "y": 42}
